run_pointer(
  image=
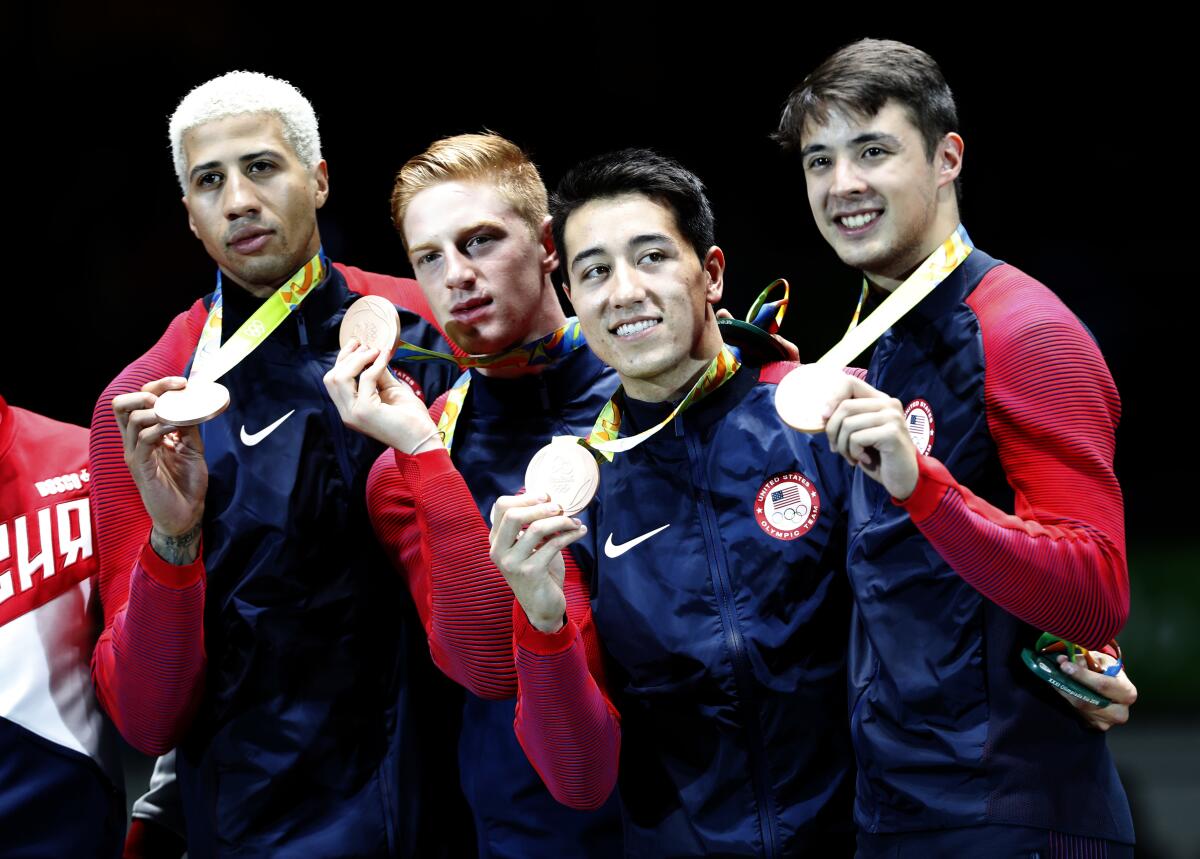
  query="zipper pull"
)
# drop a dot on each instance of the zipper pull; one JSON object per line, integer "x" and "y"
{"x": 302, "y": 329}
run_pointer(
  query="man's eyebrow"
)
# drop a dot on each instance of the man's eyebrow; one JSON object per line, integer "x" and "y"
{"x": 489, "y": 223}
{"x": 202, "y": 168}
{"x": 650, "y": 238}
{"x": 587, "y": 253}
{"x": 876, "y": 137}
{"x": 265, "y": 153}
{"x": 245, "y": 159}
{"x": 642, "y": 239}
{"x": 859, "y": 140}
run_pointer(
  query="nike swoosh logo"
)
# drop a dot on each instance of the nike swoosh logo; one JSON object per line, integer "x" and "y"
{"x": 614, "y": 550}
{"x": 251, "y": 439}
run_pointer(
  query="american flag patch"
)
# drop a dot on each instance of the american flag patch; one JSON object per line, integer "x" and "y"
{"x": 787, "y": 495}
{"x": 918, "y": 418}
{"x": 787, "y": 505}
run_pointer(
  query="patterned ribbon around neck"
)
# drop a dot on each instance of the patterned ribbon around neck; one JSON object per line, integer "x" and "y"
{"x": 544, "y": 351}
{"x": 604, "y": 440}
{"x": 938, "y": 266}
{"x": 214, "y": 359}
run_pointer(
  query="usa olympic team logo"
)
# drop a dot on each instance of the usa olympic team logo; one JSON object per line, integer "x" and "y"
{"x": 918, "y": 418}
{"x": 787, "y": 506}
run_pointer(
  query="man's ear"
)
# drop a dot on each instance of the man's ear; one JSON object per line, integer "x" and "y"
{"x": 949, "y": 158}
{"x": 191, "y": 220}
{"x": 321, "y": 178}
{"x": 714, "y": 269}
{"x": 550, "y": 259}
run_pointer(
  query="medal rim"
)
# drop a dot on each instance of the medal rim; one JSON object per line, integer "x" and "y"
{"x": 344, "y": 332}
{"x": 785, "y": 397}
{"x": 593, "y": 474}
{"x": 182, "y": 398}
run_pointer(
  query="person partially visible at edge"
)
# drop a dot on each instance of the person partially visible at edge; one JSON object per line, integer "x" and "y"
{"x": 471, "y": 211}
{"x": 960, "y": 748}
{"x": 61, "y": 787}
{"x": 249, "y": 615}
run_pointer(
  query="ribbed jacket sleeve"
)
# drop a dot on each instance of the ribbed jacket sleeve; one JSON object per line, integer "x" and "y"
{"x": 148, "y": 665}
{"x": 1058, "y": 561}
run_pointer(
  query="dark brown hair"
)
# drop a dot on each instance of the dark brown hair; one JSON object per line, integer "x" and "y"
{"x": 860, "y": 78}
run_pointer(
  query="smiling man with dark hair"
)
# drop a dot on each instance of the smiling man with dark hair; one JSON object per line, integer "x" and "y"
{"x": 714, "y": 551}
{"x": 960, "y": 748}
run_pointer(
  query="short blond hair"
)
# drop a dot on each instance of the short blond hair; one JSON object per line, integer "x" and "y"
{"x": 474, "y": 158}
{"x": 237, "y": 93}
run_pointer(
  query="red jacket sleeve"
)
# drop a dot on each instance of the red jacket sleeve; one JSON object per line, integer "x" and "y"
{"x": 441, "y": 547}
{"x": 565, "y": 720}
{"x": 148, "y": 665}
{"x": 1058, "y": 561}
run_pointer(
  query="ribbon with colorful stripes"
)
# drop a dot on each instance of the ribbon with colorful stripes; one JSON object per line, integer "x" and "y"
{"x": 604, "y": 440}
{"x": 544, "y": 351}
{"x": 1053, "y": 645}
{"x": 768, "y": 315}
{"x": 938, "y": 266}
{"x": 213, "y": 359}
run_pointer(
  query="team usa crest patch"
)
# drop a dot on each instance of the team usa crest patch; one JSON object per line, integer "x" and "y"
{"x": 787, "y": 505}
{"x": 918, "y": 417}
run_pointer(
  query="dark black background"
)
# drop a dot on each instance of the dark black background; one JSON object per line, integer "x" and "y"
{"x": 1076, "y": 162}
{"x": 1080, "y": 163}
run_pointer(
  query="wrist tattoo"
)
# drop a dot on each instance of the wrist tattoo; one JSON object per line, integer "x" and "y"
{"x": 178, "y": 549}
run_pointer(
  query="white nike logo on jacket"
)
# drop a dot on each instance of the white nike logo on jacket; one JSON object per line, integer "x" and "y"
{"x": 251, "y": 439}
{"x": 615, "y": 550}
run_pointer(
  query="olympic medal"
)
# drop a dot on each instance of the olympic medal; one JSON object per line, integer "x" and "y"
{"x": 374, "y": 321}
{"x": 803, "y": 396}
{"x": 566, "y": 471}
{"x": 195, "y": 404}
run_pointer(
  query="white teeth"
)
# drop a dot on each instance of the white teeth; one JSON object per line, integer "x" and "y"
{"x": 635, "y": 327}
{"x": 856, "y": 221}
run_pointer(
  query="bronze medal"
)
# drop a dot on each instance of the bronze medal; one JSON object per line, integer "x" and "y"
{"x": 198, "y": 402}
{"x": 374, "y": 321}
{"x": 566, "y": 471}
{"x": 803, "y": 395}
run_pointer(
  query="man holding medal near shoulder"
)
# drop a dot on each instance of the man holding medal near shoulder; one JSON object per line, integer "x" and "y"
{"x": 996, "y": 386}
{"x": 471, "y": 211}
{"x": 712, "y": 652}
{"x": 257, "y": 626}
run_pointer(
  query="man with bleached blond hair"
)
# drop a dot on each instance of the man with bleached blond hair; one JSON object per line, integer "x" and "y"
{"x": 250, "y": 617}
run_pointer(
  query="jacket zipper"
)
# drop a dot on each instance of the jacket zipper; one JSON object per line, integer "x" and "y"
{"x": 337, "y": 430}
{"x": 737, "y": 646}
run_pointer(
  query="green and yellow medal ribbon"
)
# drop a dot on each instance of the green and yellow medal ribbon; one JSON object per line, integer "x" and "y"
{"x": 544, "y": 351}
{"x": 214, "y": 359}
{"x": 604, "y": 440}
{"x": 938, "y": 266}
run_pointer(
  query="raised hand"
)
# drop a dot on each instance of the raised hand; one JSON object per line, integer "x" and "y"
{"x": 528, "y": 536}
{"x": 373, "y": 402}
{"x": 868, "y": 429}
{"x": 168, "y": 468}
